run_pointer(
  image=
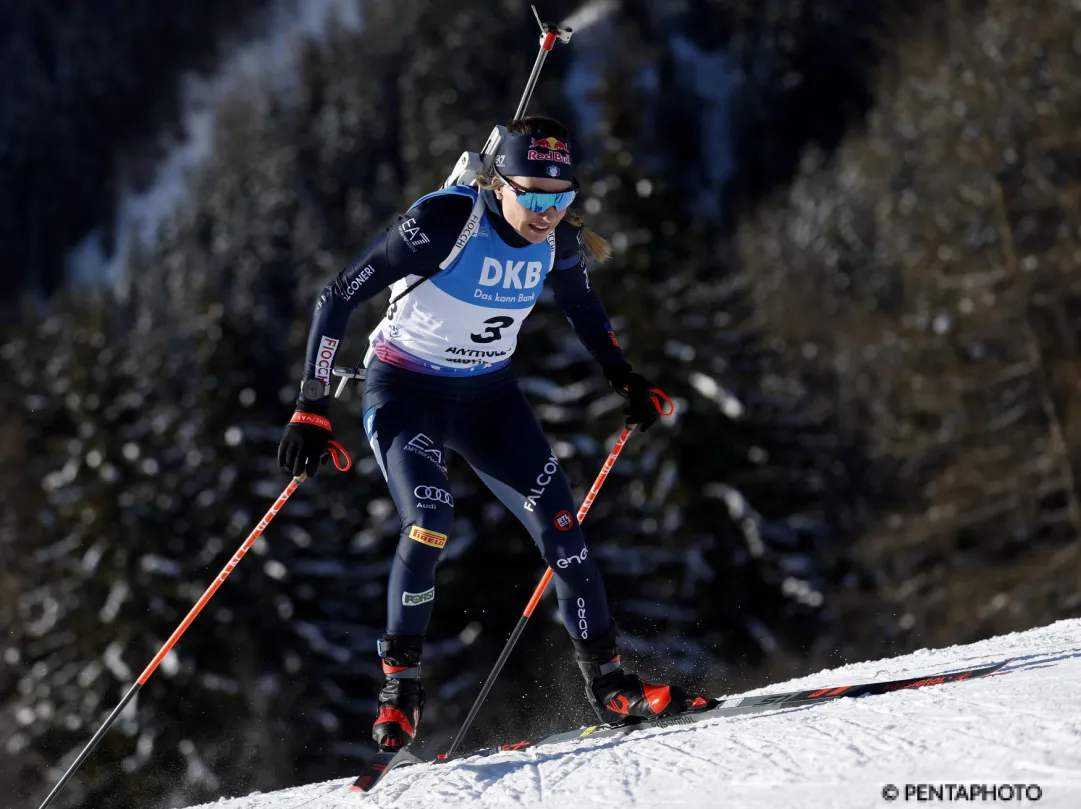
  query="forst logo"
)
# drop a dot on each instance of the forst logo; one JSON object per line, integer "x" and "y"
{"x": 416, "y": 599}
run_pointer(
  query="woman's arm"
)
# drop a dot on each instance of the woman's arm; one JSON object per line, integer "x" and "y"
{"x": 415, "y": 245}
{"x": 581, "y": 304}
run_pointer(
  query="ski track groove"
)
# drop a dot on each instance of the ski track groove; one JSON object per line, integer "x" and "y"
{"x": 886, "y": 738}
{"x": 765, "y": 751}
{"x": 536, "y": 770}
{"x": 685, "y": 752}
{"x": 1012, "y": 710}
{"x": 332, "y": 788}
{"x": 833, "y": 730}
{"x": 578, "y": 762}
{"x": 632, "y": 769}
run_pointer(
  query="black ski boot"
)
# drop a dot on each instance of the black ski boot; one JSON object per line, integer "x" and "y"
{"x": 402, "y": 698}
{"x": 622, "y": 698}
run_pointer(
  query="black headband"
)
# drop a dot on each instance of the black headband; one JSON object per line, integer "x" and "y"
{"x": 534, "y": 156}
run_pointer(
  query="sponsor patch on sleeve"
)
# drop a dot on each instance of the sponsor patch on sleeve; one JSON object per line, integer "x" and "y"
{"x": 324, "y": 360}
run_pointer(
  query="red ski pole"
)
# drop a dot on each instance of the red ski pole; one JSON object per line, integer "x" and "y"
{"x": 342, "y": 465}
{"x": 658, "y": 396}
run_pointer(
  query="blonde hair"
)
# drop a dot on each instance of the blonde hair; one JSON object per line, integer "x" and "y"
{"x": 598, "y": 247}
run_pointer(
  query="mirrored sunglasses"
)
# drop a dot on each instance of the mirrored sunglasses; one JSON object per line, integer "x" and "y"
{"x": 541, "y": 201}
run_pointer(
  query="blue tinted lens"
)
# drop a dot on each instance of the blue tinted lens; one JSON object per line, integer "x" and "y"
{"x": 539, "y": 202}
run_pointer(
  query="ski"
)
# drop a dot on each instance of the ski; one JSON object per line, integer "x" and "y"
{"x": 728, "y": 706}
{"x": 736, "y": 706}
{"x": 379, "y": 765}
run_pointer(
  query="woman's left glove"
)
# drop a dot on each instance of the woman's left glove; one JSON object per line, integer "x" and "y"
{"x": 641, "y": 407}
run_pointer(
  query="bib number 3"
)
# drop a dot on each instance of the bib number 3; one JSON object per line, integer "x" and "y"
{"x": 493, "y": 332}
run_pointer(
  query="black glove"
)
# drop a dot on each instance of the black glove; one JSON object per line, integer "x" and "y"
{"x": 304, "y": 444}
{"x": 635, "y": 388}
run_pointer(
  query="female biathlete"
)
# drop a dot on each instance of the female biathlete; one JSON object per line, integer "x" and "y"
{"x": 465, "y": 266}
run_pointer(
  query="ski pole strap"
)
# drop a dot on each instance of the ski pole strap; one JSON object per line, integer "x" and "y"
{"x": 658, "y": 395}
{"x": 341, "y": 459}
{"x": 338, "y": 454}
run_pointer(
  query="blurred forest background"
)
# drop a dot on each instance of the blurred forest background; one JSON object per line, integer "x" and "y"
{"x": 846, "y": 238}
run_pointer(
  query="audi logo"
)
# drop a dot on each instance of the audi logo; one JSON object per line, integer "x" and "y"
{"x": 432, "y": 493}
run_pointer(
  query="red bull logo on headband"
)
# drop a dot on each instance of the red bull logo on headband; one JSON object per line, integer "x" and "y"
{"x": 554, "y": 144}
{"x": 531, "y": 155}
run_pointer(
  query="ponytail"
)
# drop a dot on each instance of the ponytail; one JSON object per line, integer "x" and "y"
{"x": 598, "y": 247}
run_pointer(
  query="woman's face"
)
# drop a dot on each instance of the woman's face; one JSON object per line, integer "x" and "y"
{"x": 533, "y": 227}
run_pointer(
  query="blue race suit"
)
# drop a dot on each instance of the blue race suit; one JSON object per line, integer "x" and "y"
{"x": 438, "y": 378}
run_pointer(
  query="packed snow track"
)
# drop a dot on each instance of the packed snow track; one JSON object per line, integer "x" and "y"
{"x": 1011, "y": 739}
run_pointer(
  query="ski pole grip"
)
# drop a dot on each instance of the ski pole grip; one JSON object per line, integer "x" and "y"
{"x": 548, "y": 41}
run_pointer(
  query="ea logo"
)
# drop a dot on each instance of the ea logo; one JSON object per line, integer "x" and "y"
{"x": 432, "y": 493}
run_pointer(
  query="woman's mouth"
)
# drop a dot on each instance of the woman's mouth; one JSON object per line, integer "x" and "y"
{"x": 539, "y": 229}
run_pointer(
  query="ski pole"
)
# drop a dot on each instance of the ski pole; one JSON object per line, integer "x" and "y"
{"x": 543, "y": 585}
{"x": 342, "y": 465}
{"x": 551, "y": 33}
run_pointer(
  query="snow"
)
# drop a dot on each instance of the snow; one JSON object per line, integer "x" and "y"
{"x": 1021, "y": 726}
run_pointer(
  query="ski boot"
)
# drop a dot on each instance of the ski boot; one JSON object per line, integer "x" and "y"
{"x": 622, "y": 698}
{"x": 401, "y": 699}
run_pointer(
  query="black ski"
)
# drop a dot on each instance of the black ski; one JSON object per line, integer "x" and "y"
{"x": 735, "y": 706}
{"x": 379, "y": 765}
{"x": 729, "y": 706}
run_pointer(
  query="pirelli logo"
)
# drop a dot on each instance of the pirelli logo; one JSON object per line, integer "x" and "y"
{"x": 426, "y": 537}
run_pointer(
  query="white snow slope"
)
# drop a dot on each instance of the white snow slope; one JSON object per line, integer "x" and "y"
{"x": 1016, "y": 733}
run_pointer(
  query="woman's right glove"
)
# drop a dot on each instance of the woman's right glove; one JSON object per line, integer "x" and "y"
{"x": 642, "y": 407}
{"x": 304, "y": 445}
